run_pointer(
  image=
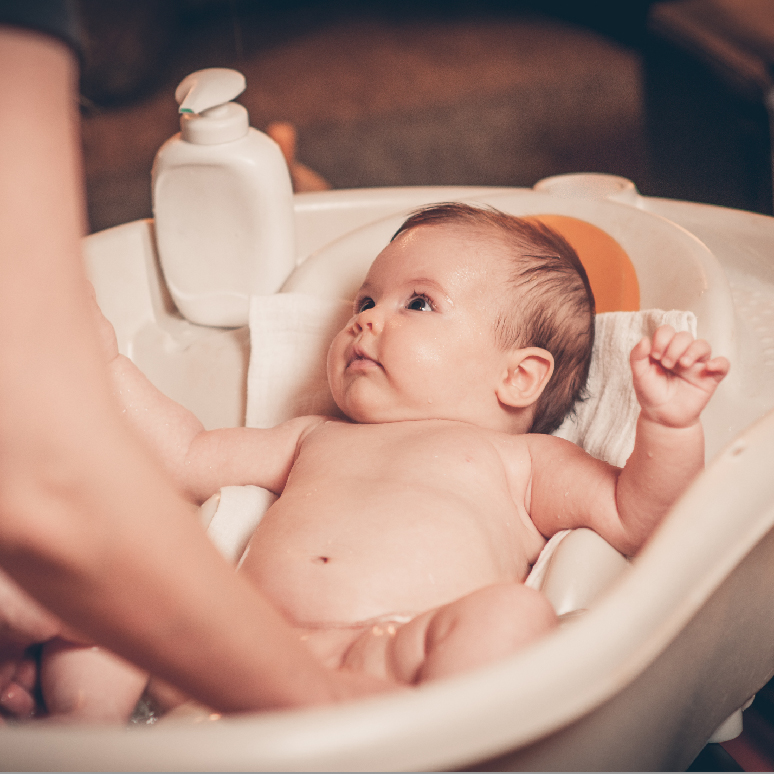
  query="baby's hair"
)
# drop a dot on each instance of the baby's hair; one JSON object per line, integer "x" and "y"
{"x": 552, "y": 305}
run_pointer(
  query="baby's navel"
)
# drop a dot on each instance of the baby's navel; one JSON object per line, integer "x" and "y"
{"x": 322, "y": 559}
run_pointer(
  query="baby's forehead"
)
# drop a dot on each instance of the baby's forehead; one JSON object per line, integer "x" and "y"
{"x": 463, "y": 241}
{"x": 459, "y": 245}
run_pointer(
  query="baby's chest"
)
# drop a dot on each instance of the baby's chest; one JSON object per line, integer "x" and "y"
{"x": 431, "y": 465}
{"x": 420, "y": 495}
{"x": 429, "y": 451}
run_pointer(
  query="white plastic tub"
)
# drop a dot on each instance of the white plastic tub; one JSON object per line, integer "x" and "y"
{"x": 642, "y": 681}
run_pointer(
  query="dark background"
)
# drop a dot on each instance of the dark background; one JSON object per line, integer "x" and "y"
{"x": 393, "y": 92}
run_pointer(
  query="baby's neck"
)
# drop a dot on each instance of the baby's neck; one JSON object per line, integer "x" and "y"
{"x": 509, "y": 424}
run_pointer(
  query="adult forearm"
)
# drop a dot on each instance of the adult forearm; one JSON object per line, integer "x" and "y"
{"x": 89, "y": 525}
{"x": 139, "y": 577}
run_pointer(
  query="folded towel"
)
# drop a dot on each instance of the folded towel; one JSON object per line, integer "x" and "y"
{"x": 289, "y": 338}
{"x": 604, "y": 424}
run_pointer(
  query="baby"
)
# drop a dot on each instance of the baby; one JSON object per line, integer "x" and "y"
{"x": 403, "y": 533}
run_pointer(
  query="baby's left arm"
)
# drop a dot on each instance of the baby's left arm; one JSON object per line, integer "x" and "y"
{"x": 674, "y": 377}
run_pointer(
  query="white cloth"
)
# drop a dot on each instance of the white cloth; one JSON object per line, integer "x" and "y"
{"x": 605, "y": 423}
{"x": 289, "y": 338}
{"x": 290, "y": 334}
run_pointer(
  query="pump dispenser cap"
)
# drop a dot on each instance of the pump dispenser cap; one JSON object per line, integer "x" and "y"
{"x": 208, "y": 88}
{"x": 207, "y": 115}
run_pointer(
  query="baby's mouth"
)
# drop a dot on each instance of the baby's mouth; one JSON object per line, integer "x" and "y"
{"x": 360, "y": 360}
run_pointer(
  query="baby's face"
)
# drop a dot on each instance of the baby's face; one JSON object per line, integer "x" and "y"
{"x": 421, "y": 343}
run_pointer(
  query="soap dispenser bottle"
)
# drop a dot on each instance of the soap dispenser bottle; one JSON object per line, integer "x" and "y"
{"x": 222, "y": 203}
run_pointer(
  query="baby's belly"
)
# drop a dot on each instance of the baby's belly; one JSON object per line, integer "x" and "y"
{"x": 370, "y": 557}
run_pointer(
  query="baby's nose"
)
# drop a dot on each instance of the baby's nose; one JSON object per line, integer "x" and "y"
{"x": 368, "y": 320}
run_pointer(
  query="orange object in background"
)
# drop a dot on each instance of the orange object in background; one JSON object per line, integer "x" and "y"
{"x": 611, "y": 273}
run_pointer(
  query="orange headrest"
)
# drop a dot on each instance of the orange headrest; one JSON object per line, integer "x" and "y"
{"x": 610, "y": 271}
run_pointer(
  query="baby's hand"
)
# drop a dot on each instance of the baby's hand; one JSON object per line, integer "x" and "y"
{"x": 674, "y": 377}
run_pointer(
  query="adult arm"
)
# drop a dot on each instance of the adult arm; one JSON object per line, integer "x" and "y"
{"x": 90, "y": 525}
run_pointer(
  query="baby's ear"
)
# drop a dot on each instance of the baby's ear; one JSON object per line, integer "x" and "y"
{"x": 528, "y": 372}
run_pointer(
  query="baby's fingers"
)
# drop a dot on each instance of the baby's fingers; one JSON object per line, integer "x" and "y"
{"x": 697, "y": 351}
{"x": 662, "y": 338}
{"x": 669, "y": 353}
{"x": 641, "y": 351}
{"x": 717, "y": 368}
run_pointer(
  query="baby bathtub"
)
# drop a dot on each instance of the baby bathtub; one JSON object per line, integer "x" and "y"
{"x": 679, "y": 643}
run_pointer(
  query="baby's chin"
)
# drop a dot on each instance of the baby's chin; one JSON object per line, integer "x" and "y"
{"x": 382, "y": 415}
{"x": 363, "y": 416}
{"x": 369, "y": 407}
{"x": 367, "y": 413}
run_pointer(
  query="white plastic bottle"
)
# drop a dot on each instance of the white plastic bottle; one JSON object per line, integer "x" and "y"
{"x": 222, "y": 203}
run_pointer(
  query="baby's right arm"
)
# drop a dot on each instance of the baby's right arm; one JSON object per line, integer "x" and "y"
{"x": 201, "y": 461}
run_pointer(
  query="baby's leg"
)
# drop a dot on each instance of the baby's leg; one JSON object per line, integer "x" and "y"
{"x": 88, "y": 683}
{"x": 483, "y": 626}
{"x": 488, "y": 624}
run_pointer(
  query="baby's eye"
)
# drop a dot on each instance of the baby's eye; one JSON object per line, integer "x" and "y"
{"x": 420, "y": 303}
{"x": 364, "y": 303}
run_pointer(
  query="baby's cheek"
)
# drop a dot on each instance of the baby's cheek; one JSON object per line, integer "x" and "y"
{"x": 334, "y": 359}
{"x": 336, "y": 387}
{"x": 426, "y": 355}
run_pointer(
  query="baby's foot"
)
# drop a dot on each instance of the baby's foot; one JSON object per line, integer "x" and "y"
{"x": 17, "y": 688}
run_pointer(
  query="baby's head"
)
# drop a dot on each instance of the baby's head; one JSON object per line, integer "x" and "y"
{"x": 547, "y": 303}
{"x": 511, "y": 303}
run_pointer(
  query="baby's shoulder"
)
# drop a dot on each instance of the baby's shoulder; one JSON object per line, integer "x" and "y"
{"x": 545, "y": 449}
{"x": 553, "y": 458}
{"x": 300, "y": 428}
{"x": 319, "y": 427}
{"x": 535, "y": 449}
{"x": 513, "y": 450}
